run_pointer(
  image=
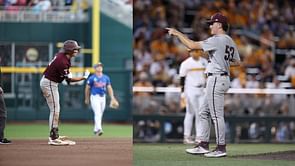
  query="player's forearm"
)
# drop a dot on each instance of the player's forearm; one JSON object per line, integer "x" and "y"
{"x": 190, "y": 44}
{"x": 87, "y": 93}
{"x": 111, "y": 92}
{"x": 76, "y": 79}
{"x": 182, "y": 82}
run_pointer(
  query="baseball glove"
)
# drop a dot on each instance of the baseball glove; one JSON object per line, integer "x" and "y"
{"x": 114, "y": 104}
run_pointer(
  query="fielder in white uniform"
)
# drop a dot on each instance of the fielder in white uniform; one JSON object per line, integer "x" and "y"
{"x": 97, "y": 85}
{"x": 222, "y": 53}
{"x": 193, "y": 81}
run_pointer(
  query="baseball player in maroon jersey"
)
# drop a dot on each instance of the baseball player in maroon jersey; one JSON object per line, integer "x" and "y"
{"x": 57, "y": 71}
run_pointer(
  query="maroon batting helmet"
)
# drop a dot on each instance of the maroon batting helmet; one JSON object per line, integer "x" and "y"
{"x": 70, "y": 46}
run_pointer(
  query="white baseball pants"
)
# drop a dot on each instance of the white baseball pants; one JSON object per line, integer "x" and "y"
{"x": 194, "y": 98}
{"x": 98, "y": 105}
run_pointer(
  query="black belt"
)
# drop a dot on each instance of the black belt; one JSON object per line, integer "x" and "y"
{"x": 219, "y": 74}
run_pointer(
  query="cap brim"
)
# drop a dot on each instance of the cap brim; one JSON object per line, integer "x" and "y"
{"x": 99, "y": 64}
{"x": 209, "y": 22}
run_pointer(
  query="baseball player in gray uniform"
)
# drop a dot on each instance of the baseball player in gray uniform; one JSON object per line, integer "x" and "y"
{"x": 222, "y": 53}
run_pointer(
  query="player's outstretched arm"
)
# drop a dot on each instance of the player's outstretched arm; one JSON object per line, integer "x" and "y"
{"x": 184, "y": 39}
{"x": 87, "y": 94}
{"x": 77, "y": 79}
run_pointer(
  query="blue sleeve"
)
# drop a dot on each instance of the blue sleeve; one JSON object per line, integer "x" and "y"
{"x": 108, "y": 80}
{"x": 90, "y": 81}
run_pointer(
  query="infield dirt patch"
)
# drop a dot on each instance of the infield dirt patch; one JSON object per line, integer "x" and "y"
{"x": 286, "y": 155}
{"x": 87, "y": 152}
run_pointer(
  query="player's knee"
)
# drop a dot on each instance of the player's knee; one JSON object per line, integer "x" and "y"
{"x": 55, "y": 111}
{"x": 203, "y": 114}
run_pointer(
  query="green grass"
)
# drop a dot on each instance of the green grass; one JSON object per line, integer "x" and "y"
{"x": 174, "y": 155}
{"x": 75, "y": 130}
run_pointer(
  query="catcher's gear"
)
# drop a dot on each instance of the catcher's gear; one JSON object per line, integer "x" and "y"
{"x": 114, "y": 103}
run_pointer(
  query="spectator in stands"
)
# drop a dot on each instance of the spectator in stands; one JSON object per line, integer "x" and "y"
{"x": 41, "y": 6}
{"x": 290, "y": 71}
{"x": 172, "y": 98}
{"x": 283, "y": 132}
{"x": 276, "y": 104}
{"x": 142, "y": 101}
{"x": 78, "y": 8}
{"x": 147, "y": 130}
{"x": 159, "y": 72}
{"x": 252, "y": 81}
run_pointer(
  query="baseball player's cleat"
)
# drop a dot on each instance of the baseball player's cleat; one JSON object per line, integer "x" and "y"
{"x": 98, "y": 133}
{"x": 197, "y": 150}
{"x": 70, "y": 142}
{"x": 197, "y": 141}
{"x": 216, "y": 153}
{"x": 66, "y": 139}
{"x": 63, "y": 137}
{"x": 5, "y": 141}
{"x": 188, "y": 141}
{"x": 57, "y": 142}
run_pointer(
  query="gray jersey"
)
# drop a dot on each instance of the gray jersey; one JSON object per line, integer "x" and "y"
{"x": 222, "y": 50}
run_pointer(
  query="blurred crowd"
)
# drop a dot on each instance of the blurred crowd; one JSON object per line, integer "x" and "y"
{"x": 264, "y": 32}
{"x": 158, "y": 56}
{"x": 46, "y": 5}
{"x": 260, "y": 29}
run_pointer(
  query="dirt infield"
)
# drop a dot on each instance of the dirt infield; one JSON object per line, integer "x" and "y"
{"x": 286, "y": 155}
{"x": 87, "y": 152}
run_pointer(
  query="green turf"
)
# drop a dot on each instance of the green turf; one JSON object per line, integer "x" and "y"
{"x": 76, "y": 130}
{"x": 174, "y": 155}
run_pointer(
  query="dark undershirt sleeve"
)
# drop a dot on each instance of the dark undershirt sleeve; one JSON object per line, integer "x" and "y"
{"x": 182, "y": 82}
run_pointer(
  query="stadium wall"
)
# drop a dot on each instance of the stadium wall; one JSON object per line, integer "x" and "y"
{"x": 115, "y": 54}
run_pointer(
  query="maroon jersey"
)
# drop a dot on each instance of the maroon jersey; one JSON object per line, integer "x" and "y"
{"x": 58, "y": 68}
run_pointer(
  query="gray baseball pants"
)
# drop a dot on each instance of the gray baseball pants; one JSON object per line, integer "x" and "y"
{"x": 213, "y": 107}
{"x": 50, "y": 92}
{"x": 3, "y": 114}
